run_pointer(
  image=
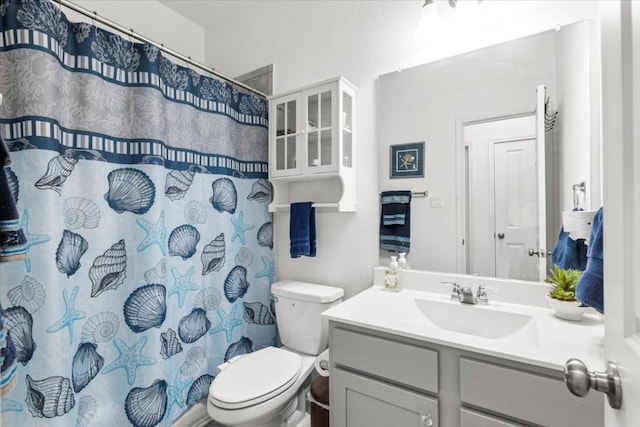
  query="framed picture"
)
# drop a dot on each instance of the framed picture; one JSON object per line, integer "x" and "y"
{"x": 407, "y": 160}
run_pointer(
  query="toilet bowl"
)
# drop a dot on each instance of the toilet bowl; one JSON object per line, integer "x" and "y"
{"x": 263, "y": 388}
{"x": 267, "y": 387}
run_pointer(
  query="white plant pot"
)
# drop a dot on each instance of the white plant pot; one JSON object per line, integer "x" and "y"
{"x": 567, "y": 310}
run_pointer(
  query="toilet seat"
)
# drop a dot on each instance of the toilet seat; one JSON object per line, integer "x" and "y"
{"x": 255, "y": 378}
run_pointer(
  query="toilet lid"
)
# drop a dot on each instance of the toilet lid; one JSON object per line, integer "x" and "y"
{"x": 255, "y": 377}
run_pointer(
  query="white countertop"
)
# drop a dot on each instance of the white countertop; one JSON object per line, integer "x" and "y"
{"x": 546, "y": 341}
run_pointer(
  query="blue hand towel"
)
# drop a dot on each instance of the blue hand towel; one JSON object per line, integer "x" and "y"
{"x": 395, "y": 220}
{"x": 569, "y": 253}
{"x": 302, "y": 230}
{"x": 13, "y": 244}
{"x": 394, "y": 208}
{"x": 590, "y": 289}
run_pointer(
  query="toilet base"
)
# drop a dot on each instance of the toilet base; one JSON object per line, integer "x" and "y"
{"x": 293, "y": 414}
{"x": 284, "y": 410}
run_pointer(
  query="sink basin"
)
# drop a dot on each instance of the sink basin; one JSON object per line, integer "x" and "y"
{"x": 478, "y": 320}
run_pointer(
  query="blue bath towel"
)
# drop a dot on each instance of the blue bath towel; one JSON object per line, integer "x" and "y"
{"x": 569, "y": 253}
{"x": 590, "y": 289}
{"x": 302, "y": 230}
{"x": 395, "y": 220}
{"x": 13, "y": 244}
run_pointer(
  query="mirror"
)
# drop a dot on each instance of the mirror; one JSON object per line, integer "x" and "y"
{"x": 434, "y": 101}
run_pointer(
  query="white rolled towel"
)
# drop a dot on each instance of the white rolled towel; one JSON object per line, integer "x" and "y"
{"x": 322, "y": 363}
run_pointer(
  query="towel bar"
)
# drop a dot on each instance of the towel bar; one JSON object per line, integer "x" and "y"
{"x": 419, "y": 193}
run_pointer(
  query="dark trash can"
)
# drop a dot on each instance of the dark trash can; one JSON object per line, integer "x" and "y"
{"x": 319, "y": 397}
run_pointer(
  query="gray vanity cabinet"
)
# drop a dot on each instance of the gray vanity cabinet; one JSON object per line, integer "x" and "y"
{"x": 398, "y": 388}
{"x": 373, "y": 403}
{"x": 382, "y": 379}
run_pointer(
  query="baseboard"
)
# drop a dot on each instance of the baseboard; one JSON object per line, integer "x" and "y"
{"x": 195, "y": 416}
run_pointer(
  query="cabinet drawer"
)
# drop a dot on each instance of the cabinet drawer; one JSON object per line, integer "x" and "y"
{"x": 526, "y": 396}
{"x": 474, "y": 419}
{"x": 359, "y": 401}
{"x": 396, "y": 361}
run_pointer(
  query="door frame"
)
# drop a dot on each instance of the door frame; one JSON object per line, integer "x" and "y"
{"x": 621, "y": 156}
{"x": 462, "y": 152}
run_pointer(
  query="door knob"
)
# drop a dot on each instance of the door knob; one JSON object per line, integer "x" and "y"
{"x": 541, "y": 253}
{"x": 579, "y": 381}
{"x": 500, "y": 236}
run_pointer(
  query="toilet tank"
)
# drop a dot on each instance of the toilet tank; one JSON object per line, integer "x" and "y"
{"x": 298, "y": 307}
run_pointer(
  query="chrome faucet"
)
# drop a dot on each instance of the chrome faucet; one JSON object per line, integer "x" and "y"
{"x": 455, "y": 291}
{"x": 481, "y": 294}
{"x": 465, "y": 294}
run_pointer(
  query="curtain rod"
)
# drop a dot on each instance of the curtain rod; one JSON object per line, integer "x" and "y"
{"x": 94, "y": 15}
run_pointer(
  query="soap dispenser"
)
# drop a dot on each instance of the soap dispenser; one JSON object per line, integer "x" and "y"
{"x": 391, "y": 275}
{"x": 403, "y": 264}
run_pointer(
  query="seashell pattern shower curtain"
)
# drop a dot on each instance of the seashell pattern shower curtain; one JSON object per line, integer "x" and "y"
{"x": 142, "y": 192}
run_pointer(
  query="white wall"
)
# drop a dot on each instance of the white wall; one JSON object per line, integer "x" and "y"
{"x": 577, "y": 101}
{"x": 313, "y": 40}
{"x": 150, "y": 19}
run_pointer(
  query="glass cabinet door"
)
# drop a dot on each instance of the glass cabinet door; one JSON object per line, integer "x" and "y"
{"x": 286, "y": 135}
{"x": 321, "y": 124}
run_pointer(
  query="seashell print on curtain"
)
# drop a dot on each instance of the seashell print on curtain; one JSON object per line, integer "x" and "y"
{"x": 142, "y": 191}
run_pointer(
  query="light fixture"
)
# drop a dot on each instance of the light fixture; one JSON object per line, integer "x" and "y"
{"x": 436, "y": 14}
{"x": 429, "y": 18}
{"x": 452, "y": 3}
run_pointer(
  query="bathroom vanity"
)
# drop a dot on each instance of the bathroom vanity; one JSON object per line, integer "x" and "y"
{"x": 417, "y": 358}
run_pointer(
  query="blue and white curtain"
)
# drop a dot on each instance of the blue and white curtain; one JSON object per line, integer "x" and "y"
{"x": 141, "y": 187}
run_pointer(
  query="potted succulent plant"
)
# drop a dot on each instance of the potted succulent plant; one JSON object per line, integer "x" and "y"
{"x": 562, "y": 296}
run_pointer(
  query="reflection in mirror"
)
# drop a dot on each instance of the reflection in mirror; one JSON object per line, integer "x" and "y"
{"x": 454, "y": 229}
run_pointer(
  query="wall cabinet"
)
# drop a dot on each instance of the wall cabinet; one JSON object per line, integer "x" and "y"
{"x": 380, "y": 379}
{"x": 312, "y": 138}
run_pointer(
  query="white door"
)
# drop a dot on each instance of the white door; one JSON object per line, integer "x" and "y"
{"x": 621, "y": 213}
{"x": 502, "y": 198}
{"x": 516, "y": 216}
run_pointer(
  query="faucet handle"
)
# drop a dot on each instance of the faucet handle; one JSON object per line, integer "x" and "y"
{"x": 455, "y": 292}
{"x": 481, "y": 294}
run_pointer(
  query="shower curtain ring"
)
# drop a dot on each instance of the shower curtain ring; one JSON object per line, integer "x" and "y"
{"x": 93, "y": 22}
{"x": 133, "y": 47}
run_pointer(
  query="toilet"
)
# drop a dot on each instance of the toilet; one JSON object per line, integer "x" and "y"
{"x": 267, "y": 387}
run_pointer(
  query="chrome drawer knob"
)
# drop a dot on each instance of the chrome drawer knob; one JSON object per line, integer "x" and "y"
{"x": 426, "y": 420}
{"x": 579, "y": 381}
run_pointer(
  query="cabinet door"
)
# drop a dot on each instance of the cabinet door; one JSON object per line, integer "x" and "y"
{"x": 347, "y": 119}
{"x": 322, "y": 124}
{"x": 284, "y": 150}
{"x": 358, "y": 401}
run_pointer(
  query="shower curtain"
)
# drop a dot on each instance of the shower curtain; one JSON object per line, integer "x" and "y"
{"x": 142, "y": 192}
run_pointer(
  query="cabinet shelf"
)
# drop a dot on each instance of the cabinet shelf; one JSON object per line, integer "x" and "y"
{"x": 330, "y": 193}
{"x": 315, "y": 205}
